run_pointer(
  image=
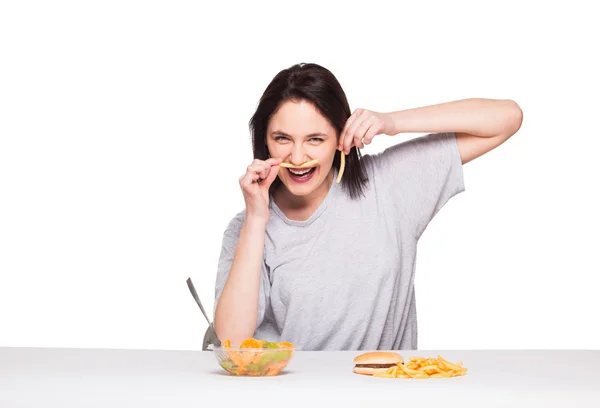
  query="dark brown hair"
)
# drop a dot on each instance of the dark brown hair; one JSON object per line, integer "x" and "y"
{"x": 318, "y": 86}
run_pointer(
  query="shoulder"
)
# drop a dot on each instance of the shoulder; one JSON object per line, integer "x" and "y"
{"x": 412, "y": 152}
{"x": 235, "y": 224}
{"x": 426, "y": 144}
{"x": 232, "y": 232}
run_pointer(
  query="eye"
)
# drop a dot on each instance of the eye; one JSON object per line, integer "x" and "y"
{"x": 280, "y": 138}
{"x": 316, "y": 139}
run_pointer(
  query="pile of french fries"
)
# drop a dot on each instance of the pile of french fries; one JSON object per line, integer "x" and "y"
{"x": 420, "y": 367}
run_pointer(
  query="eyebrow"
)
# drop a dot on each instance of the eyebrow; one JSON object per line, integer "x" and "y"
{"x": 279, "y": 132}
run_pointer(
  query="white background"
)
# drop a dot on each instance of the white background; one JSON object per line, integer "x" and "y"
{"x": 123, "y": 131}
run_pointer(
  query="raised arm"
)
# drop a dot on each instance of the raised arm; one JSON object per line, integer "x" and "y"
{"x": 480, "y": 124}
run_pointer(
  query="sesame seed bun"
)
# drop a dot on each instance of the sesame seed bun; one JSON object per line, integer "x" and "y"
{"x": 379, "y": 357}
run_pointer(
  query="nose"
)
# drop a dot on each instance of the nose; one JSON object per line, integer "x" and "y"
{"x": 298, "y": 155}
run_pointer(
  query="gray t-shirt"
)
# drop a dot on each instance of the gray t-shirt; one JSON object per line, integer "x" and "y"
{"x": 343, "y": 279}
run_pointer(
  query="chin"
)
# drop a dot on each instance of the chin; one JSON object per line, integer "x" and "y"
{"x": 303, "y": 187}
{"x": 299, "y": 191}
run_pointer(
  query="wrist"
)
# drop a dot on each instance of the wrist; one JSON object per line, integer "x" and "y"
{"x": 398, "y": 122}
{"x": 255, "y": 222}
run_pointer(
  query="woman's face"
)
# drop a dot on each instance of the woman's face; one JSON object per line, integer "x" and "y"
{"x": 298, "y": 133}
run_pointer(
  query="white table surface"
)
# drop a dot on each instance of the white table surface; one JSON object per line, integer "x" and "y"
{"x": 38, "y": 377}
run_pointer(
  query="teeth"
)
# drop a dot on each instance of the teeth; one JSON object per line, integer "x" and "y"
{"x": 300, "y": 173}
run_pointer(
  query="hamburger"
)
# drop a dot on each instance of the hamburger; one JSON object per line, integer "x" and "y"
{"x": 376, "y": 361}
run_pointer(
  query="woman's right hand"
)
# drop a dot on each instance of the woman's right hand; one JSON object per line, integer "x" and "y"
{"x": 255, "y": 184}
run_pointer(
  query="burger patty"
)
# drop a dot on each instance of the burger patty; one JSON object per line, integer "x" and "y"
{"x": 375, "y": 365}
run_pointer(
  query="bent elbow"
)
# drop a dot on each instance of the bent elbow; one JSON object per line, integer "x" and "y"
{"x": 514, "y": 118}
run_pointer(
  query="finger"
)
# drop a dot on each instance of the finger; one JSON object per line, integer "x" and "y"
{"x": 373, "y": 131}
{"x": 254, "y": 168}
{"x": 266, "y": 163}
{"x": 247, "y": 179}
{"x": 264, "y": 166}
{"x": 359, "y": 135}
{"x": 274, "y": 160}
{"x": 350, "y": 135}
{"x": 258, "y": 167}
{"x": 261, "y": 168}
{"x": 270, "y": 177}
{"x": 346, "y": 140}
{"x": 259, "y": 171}
{"x": 363, "y": 129}
{"x": 349, "y": 123}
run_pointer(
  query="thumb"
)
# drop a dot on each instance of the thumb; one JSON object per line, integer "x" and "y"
{"x": 273, "y": 171}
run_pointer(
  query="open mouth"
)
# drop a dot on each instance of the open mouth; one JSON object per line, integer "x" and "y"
{"x": 301, "y": 175}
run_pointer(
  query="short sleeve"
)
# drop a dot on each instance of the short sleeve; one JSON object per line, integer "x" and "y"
{"x": 228, "y": 248}
{"x": 421, "y": 175}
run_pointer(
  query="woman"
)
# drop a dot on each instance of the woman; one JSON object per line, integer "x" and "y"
{"x": 329, "y": 265}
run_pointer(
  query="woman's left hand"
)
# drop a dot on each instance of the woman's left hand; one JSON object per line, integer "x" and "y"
{"x": 362, "y": 126}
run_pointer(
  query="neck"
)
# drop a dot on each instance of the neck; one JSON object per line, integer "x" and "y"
{"x": 302, "y": 207}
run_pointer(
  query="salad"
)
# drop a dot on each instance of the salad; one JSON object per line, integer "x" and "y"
{"x": 255, "y": 357}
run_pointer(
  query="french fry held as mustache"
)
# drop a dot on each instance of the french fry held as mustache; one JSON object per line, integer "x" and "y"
{"x": 314, "y": 163}
{"x": 293, "y": 166}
